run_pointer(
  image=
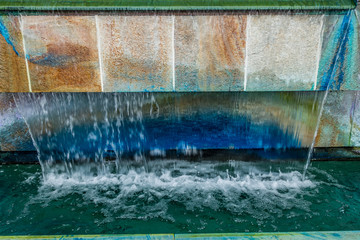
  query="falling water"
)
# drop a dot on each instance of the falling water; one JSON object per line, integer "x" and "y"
{"x": 30, "y": 132}
{"x": 73, "y": 129}
{"x": 311, "y": 148}
{"x": 87, "y": 129}
{"x": 332, "y": 75}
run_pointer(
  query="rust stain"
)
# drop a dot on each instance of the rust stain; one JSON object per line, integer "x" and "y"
{"x": 63, "y": 54}
{"x": 326, "y": 137}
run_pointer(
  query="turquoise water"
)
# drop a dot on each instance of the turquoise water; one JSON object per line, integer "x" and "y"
{"x": 172, "y": 196}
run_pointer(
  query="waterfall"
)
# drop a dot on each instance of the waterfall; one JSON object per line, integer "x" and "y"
{"x": 77, "y": 128}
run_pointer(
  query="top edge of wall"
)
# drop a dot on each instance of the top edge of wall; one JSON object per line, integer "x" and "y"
{"x": 176, "y": 5}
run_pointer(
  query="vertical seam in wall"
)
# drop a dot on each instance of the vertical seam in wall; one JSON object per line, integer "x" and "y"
{"x": 246, "y": 51}
{"x": 99, "y": 53}
{"x": 319, "y": 51}
{"x": 173, "y": 52}
{"x": 25, "y": 53}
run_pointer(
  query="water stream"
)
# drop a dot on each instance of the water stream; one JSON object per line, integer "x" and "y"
{"x": 330, "y": 82}
{"x": 72, "y": 129}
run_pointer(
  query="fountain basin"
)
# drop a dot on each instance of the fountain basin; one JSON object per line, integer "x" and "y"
{"x": 179, "y": 196}
{"x": 139, "y": 162}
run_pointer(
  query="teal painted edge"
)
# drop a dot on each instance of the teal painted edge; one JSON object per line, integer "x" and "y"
{"x": 94, "y": 237}
{"x": 79, "y": 5}
{"x": 348, "y": 235}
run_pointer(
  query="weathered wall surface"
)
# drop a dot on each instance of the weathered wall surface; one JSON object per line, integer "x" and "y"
{"x": 210, "y": 53}
{"x": 283, "y": 52}
{"x": 164, "y": 52}
{"x": 13, "y": 74}
{"x": 61, "y": 53}
{"x": 255, "y": 56}
{"x": 137, "y": 50}
{"x": 253, "y": 120}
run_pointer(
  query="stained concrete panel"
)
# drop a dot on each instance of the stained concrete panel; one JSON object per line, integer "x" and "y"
{"x": 357, "y": 64}
{"x": 282, "y": 52}
{"x": 335, "y": 123}
{"x": 13, "y": 75}
{"x": 355, "y": 120}
{"x": 340, "y": 57}
{"x": 240, "y": 120}
{"x": 136, "y": 53}
{"x": 62, "y": 53}
{"x": 210, "y": 52}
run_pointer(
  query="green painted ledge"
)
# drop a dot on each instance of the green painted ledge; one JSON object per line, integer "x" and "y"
{"x": 94, "y": 237}
{"x": 348, "y": 235}
{"x": 50, "y": 5}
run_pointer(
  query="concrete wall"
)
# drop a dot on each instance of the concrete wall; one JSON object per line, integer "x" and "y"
{"x": 165, "y": 52}
{"x": 254, "y": 120}
{"x": 236, "y": 52}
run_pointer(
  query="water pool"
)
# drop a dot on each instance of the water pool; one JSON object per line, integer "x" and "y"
{"x": 173, "y": 196}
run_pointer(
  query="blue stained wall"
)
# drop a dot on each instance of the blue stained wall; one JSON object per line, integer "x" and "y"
{"x": 339, "y": 65}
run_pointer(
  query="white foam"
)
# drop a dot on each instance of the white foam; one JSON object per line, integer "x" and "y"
{"x": 150, "y": 192}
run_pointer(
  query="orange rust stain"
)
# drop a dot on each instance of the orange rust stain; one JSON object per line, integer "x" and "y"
{"x": 63, "y": 53}
{"x": 222, "y": 42}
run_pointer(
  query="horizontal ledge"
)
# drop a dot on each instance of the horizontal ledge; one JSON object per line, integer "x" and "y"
{"x": 110, "y": 5}
{"x": 91, "y": 237}
{"x": 249, "y": 155}
{"x": 349, "y": 235}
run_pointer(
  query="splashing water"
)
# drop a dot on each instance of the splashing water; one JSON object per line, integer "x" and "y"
{"x": 180, "y": 196}
{"x": 115, "y": 122}
{"x": 189, "y": 195}
{"x": 237, "y": 187}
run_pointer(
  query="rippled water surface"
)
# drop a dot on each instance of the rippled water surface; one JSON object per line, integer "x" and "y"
{"x": 172, "y": 196}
